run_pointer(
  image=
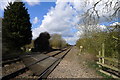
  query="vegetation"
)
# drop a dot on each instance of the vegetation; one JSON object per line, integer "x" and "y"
{"x": 57, "y": 41}
{"x": 16, "y": 27}
{"x": 92, "y": 43}
{"x": 93, "y": 40}
{"x": 42, "y": 42}
{"x": 96, "y": 67}
{"x": 28, "y": 47}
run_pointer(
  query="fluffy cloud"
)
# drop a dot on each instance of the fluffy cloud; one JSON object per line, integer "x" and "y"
{"x": 74, "y": 38}
{"x": 4, "y": 3}
{"x": 35, "y": 20}
{"x": 32, "y": 2}
{"x": 65, "y": 16}
{"x": 36, "y": 31}
{"x": 115, "y": 23}
{"x": 60, "y": 20}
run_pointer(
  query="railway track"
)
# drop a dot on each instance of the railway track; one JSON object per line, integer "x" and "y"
{"x": 41, "y": 65}
{"x": 9, "y": 61}
{"x": 17, "y": 59}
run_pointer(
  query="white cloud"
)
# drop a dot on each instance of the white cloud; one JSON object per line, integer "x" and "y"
{"x": 91, "y": 28}
{"x": 37, "y": 31}
{"x": 74, "y": 38}
{"x": 105, "y": 8}
{"x": 4, "y": 3}
{"x": 102, "y": 27}
{"x": 35, "y": 20}
{"x": 66, "y": 15}
{"x": 60, "y": 20}
{"x": 32, "y": 2}
{"x": 115, "y": 23}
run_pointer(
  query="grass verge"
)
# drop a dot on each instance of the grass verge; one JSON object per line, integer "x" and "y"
{"x": 96, "y": 67}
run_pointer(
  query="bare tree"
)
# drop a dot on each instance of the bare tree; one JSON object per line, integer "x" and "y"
{"x": 105, "y": 10}
{"x": 96, "y": 12}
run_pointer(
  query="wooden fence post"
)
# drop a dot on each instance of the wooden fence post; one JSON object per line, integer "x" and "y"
{"x": 103, "y": 53}
{"x": 99, "y": 58}
{"x": 99, "y": 55}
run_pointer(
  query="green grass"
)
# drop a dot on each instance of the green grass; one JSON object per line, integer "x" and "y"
{"x": 104, "y": 75}
{"x": 95, "y": 66}
{"x": 92, "y": 65}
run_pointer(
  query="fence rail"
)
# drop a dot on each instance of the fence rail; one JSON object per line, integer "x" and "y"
{"x": 102, "y": 65}
{"x": 112, "y": 64}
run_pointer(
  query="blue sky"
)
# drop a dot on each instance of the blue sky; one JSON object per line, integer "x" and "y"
{"x": 60, "y": 17}
{"x": 39, "y": 11}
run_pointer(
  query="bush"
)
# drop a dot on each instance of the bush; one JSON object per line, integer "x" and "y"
{"x": 57, "y": 41}
{"x": 93, "y": 42}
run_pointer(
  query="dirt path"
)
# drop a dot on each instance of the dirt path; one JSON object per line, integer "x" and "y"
{"x": 73, "y": 66}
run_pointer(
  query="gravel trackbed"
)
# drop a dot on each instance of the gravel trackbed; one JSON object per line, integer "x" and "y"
{"x": 73, "y": 66}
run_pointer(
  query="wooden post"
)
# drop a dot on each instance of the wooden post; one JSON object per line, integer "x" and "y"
{"x": 99, "y": 57}
{"x": 103, "y": 53}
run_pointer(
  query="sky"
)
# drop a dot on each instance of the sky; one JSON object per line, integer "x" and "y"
{"x": 62, "y": 17}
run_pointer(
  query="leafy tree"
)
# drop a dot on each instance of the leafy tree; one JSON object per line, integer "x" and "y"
{"x": 42, "y": 42}
{"x": 16, "y": 26}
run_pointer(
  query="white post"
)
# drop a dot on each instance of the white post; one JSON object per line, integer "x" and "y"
{"x": 80, "y": 49}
